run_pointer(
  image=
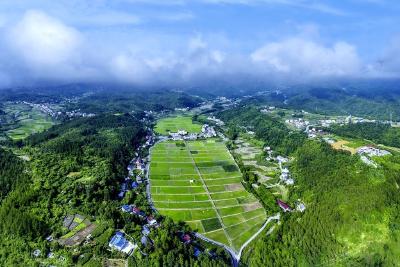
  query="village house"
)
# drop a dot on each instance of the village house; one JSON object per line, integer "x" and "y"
{"x": 185, "y": 238}
{"x": 126, "y": 208}
{"x": 300, "y": 206}
{"x": 285, "y": 177}
{"x": 197, "y": 252}
{"x": 146, "y": 241}
{"x": 123, "y": 190}
{"x": 298, "y": 123}
{"x": 182, "y": 132}
{"x": 151, "y": 221}
{"x": 120, "y": 243}
{"x": 191, "y": 136}
{"x": 282, "y": 159}
{"x": 208, "y": 131}
{"x": 36, "y": 253}
{"x": 368, "y": 161}
{"x": 145, "y": 230}
{"x": 285, "y": 207}
{"x": 134, "y": 185}
{"x": 138, "y": 212}
{"x": 176, "y": 136}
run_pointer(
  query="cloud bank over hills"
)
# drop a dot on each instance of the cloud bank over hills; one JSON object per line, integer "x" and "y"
{"x": 122, "y": 47}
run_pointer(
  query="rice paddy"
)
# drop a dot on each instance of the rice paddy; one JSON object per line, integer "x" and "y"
{"x": 174, "y": 124}
{"x": 199, "y": 182}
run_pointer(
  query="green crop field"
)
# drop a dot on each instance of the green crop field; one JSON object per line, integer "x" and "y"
{"x": 174, "y": 124}
{"x": 198, "y": 182}
{"x": 28, "y": 120}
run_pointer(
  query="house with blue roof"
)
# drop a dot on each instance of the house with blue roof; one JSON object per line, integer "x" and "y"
{"x": 126, "y": 208}
{"x": 145, "y": 230}
{"x": 197, "y": 252}
{"x": 134, "y": 185}
{"x": 120, "y": 243}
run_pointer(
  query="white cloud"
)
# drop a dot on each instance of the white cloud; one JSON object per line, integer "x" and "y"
{"x": 388, "y": 65}
{"x": 300, "y": 57}
{"x": 44, "y": 41}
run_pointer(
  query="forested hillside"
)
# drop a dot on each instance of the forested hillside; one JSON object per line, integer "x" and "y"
{"x": 74, "y": 167}
{"x": 351, "y": 217}
{"x": 127, "y": 100}
{"x": 376, "y": 132}
{"x": 12, "y": 172}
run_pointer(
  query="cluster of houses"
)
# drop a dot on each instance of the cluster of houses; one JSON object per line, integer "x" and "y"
{"x": 285, "y": 176}
{"x": 182, "y": 109}
{"x": 267, "y": 109}
{"x": 120, "y": 243}
{"x": 312, "y": 132}
{"x": 51, "y": 255}
{"x": 207, "y": 131}
{"x": 150, "y": 220}
{"x": 372, "y": 151}
{"x": 298, "y": 123}
{"x": 136, "y": 169}
{"x": 183, "y": 135}
{"x": 77, "y": 113}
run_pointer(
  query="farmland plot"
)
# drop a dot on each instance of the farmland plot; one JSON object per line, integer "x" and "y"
{"x": 198, "y": 182}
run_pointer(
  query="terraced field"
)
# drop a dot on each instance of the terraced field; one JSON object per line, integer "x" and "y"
{"x": 174, "y": 124}
{"x": 27, "y": 120}
{"x": 199, "y": 182}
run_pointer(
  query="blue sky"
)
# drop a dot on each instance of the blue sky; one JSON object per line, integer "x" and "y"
{"x": 182, "y": 41}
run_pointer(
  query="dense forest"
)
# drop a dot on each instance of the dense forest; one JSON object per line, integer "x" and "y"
{"x": 351, "y": 217}
{"x": 12, "y": 172}
{"x": 74, "y": 167}
{"x": 339, "y": 101}
{"x": 377, "y": 132}
{"x": 128, "y": 100}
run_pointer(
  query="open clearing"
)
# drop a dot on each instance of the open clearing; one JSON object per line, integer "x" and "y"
{"x": 174, "y": 124}
{"x": 198, "y": 182}
{"x": 343, "y": 144}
